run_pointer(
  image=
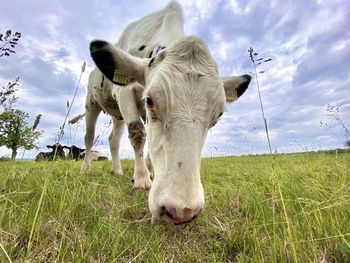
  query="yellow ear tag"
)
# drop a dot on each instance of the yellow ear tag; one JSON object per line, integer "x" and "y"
{"x": 231, "y": 95}
{"x": 120, "y": 78}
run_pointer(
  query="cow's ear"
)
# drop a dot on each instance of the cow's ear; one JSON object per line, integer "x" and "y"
{"x": 118, "y": 66}
{"x": 235, "y": 86}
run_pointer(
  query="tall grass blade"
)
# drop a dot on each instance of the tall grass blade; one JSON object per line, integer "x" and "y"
{"x": 7, "y": 256}
{"x": 36, "y": 217}
{"x": 289, "y": 226}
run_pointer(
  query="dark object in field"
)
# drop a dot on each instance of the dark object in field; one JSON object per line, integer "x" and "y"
{"x": 74, "y": 152}
{"x": 56, "y": 153}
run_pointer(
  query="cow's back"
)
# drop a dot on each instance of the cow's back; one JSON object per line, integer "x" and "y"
{"x": 142, "y": 36}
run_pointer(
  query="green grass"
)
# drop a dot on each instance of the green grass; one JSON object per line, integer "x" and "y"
{"x": 284, "y": 208}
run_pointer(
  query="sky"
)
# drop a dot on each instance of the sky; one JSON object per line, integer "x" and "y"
{"x": 308, "y": 42}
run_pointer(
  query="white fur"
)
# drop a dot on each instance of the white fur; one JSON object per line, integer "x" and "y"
{"x": 94, "y": 155}
{"x": 189, "y": 97}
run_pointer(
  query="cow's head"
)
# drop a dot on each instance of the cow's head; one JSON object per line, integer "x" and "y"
{"x": 184, "y": 98}
{"x": 57, "y": 149}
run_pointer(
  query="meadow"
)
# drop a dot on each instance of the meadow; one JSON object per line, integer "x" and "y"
{"x": 273, "y": 208}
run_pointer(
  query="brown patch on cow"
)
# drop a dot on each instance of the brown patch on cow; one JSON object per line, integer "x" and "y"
{"x": 137, "y": 134}
{"x": 111, "y": 102}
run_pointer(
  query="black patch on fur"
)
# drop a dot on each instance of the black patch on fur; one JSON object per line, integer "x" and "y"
{"x": 142, "y": 47}
{"x": 151, "y": 61}
{"x": 103, "y": 78}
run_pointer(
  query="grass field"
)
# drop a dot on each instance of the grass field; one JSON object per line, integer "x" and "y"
{"x": 284, "y": 208}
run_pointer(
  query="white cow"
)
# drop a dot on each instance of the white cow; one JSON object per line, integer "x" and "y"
{"x": 171, "y": 82}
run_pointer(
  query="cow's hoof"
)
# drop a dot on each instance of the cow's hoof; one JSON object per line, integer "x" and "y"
{"x": 117, "y": 173}
{"x": 142, "y": 182}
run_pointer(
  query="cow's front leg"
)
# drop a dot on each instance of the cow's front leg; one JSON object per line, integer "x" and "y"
{"x": 137, "y": 136}
{"x": 91, "y": 113}
{"x": 114, "y": 142}
{"x": 127, "y": 102}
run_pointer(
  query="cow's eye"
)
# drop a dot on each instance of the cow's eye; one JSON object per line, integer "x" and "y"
{"x": 149, "y": 102}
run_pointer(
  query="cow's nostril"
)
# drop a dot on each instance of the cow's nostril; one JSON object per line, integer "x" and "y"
{"x": 162, "y": 211}
{"x": 169, "y": 214}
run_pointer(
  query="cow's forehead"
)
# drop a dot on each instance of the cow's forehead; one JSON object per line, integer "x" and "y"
{"x": 193, "y": 52}
{"x": 186, "y": 59}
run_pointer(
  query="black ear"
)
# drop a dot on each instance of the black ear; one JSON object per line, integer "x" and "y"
{"x": 118, "y": 66}
{"x": 235, "y": 86}
{"x": 244, "y": 86}
{"x": 104, "y": 60}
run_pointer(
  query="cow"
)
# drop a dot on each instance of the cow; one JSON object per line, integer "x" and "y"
{"x": 157, "y": 75}
{"x": 56, "y": 153}
{"x": 74, "y": 152}
{"x": 95, "y": 156}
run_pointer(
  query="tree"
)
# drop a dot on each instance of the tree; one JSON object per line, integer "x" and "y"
{"x": 15, "y": 133}
{"x": 14, "y": 130}
{"x": 347, "y": 143}
{"x": 8, "y": 42}
{"x": 7, "y": 93}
